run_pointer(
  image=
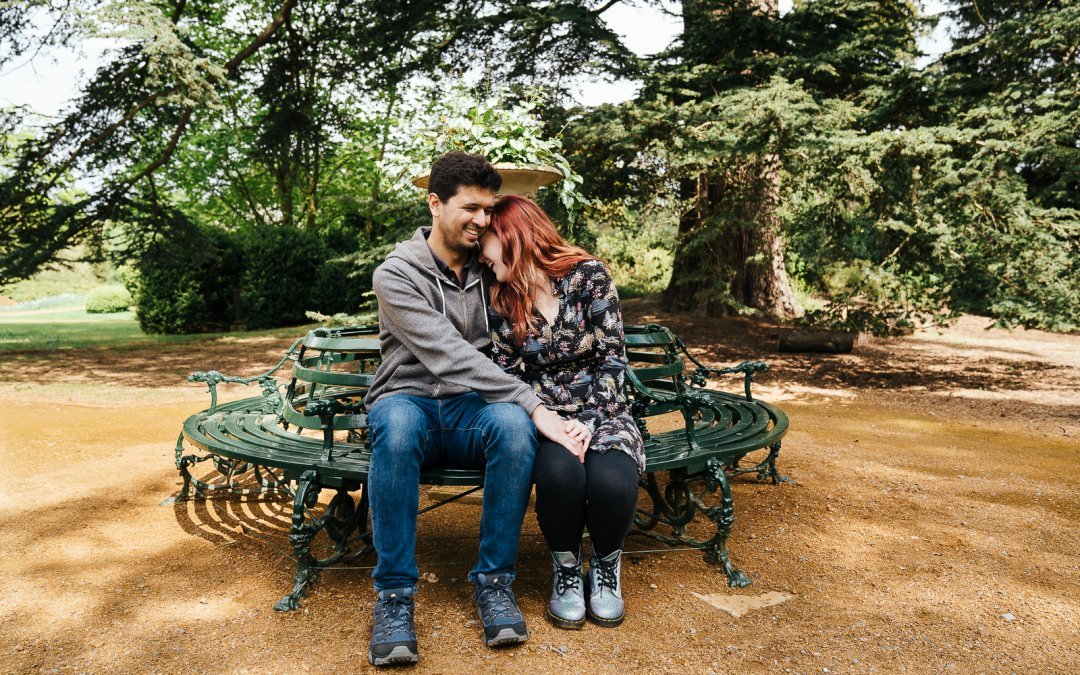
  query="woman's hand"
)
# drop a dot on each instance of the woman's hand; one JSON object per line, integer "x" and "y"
{"x": 576, "y": 430}
{"x": 553, "y": 428}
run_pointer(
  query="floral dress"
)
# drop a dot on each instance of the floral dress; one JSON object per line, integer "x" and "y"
{"x": 577, "y": 364}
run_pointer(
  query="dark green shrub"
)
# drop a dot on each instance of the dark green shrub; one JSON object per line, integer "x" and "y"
{"x": 185, "y": 281}
{"x": 339, "y": 286}
{"x": 290, "y": 271}
{"x": 108, "y": 299}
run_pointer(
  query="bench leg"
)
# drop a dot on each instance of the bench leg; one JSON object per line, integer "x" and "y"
{"x": 769, "y": 471}
{"x": 766, "y": 469}
{"x": 676, "y": 506}
{"x": 716, "y": 551}
{"x": 300, "y": 536}
{"x": 182, "y": 464}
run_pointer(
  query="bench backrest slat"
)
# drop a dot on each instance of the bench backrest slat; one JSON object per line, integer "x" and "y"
{"x": 332, "y": 377}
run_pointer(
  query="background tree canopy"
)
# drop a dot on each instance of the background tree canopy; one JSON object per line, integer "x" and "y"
{"x": 247, "y": 159}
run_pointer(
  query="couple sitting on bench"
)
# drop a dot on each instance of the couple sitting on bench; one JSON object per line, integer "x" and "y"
{"x": 502, "y": 349}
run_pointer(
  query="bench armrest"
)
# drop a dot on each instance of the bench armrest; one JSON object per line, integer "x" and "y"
{"x": 645, "y": 391}
{"x": 704, "y": 372}
{"x": 325, "y": 409}
{"x": 213, "y": 378}
{"x": 747, "y": 368}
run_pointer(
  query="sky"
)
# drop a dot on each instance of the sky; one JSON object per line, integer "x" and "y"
{"x": 49, "y": 81}
{"x": 52, "y": 79}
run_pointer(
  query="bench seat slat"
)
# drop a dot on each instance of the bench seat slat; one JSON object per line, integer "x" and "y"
{"x": 730, "y": 427}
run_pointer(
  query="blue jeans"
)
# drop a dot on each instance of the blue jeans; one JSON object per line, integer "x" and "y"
{"x": 410, "y": 433}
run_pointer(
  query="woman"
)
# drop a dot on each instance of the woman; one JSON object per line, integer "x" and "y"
{"x": 555, "y": 322}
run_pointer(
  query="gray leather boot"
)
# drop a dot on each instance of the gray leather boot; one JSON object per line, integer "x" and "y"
{"x": 566, "y": 609}
{"x": 606, "y": 606}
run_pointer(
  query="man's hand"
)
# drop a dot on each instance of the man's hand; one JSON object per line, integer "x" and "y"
{"x": 553, "y": 428}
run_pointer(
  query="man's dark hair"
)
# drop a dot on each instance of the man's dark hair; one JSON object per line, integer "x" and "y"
{"x": 457, "y": 168}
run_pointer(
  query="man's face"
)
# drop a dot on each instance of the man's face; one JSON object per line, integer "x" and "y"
{"x": 459, "y": 222}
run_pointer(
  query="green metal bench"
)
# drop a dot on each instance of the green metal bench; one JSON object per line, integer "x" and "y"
{"x": 311, "y": 435}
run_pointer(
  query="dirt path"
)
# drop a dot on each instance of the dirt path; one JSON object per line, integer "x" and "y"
{"x": 932, "y": 525}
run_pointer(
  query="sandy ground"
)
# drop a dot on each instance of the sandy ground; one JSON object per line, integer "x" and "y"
{"x": 932, "y": 525}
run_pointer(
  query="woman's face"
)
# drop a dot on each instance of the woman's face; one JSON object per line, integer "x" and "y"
{"x": 491, "y": 254}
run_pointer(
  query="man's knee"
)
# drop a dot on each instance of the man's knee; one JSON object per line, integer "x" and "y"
{"x": 508, "y": 419}
{"x": 397, "y": 424}
{"x": 508, "y": 425}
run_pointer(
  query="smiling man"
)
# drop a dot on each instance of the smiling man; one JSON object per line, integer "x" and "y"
{"x": 438, "y": 399}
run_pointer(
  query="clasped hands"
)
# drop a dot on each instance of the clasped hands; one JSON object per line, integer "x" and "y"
{"x": 571, "y": 434}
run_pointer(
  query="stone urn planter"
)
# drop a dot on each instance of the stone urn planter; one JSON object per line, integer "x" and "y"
{"x": 518, "y": 179}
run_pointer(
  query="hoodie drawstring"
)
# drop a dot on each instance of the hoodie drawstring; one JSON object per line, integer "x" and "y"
{"x": 442, "y": 294}
{"x": 483, "y": 307}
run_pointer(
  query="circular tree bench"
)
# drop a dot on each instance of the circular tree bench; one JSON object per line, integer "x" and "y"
{"x": 311, "y": 434}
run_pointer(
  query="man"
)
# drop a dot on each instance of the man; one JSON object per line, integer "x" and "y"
{"x": 437, "y": 399}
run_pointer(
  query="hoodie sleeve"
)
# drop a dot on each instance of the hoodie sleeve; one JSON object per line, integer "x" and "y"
{"x": 439, "y": 346}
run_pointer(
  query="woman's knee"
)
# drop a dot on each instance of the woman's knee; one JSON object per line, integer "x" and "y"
{"x": 612, "y": 478}
{"x": 556, "y": 468}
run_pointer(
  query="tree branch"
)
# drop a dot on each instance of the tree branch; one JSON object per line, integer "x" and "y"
{"x": 262, "y": 38}
{"x": 179, "y": 10}
{"x": 605, "y": 7}
{"x": 165, "y": 156}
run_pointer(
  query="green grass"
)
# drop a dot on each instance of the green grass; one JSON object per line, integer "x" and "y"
{"x": 72, "y": 328}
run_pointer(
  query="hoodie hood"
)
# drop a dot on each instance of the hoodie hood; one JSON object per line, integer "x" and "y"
{"x": 416, "y": 252}
{"x": 434, "y": 336}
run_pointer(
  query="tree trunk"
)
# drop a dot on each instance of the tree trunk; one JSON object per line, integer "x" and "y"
{"x": 729, "y": 253}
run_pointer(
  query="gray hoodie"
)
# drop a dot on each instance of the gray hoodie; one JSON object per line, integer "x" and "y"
{"x": 431, "y": 332}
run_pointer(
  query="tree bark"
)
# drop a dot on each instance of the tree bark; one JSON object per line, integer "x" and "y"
{"x": 730, "y": 253}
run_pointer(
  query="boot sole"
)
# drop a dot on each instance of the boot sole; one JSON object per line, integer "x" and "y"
{"x": 606, "y": 623}
{"x": 399, "y": 656}
{"x": 507, "y": 636}
{"x": 560, "y": 622}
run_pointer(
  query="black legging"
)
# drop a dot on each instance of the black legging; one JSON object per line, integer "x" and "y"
{"x": 600, "y": 494}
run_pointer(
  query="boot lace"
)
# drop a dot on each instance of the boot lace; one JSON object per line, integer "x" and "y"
{"x": 396, "y": 615}
{"x": 605, "y": 575}
{"x": 566, "y": 578}
{"x": 497, "y": 603}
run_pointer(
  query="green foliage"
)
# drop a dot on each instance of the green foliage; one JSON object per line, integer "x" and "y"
{"x": 270, "y": 113}
{"x": 501, "y": 130}
{"x": 108, "y": 299}
{"x": 184, "y": 282}
{"x": 903, "y": 196}
{"x": 900, "y": 194}
{"x": 635, "y": 246}
{"x": 289, "y": 271}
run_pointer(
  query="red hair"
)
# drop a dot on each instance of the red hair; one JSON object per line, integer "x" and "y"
{"x": 529, "y": 240}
